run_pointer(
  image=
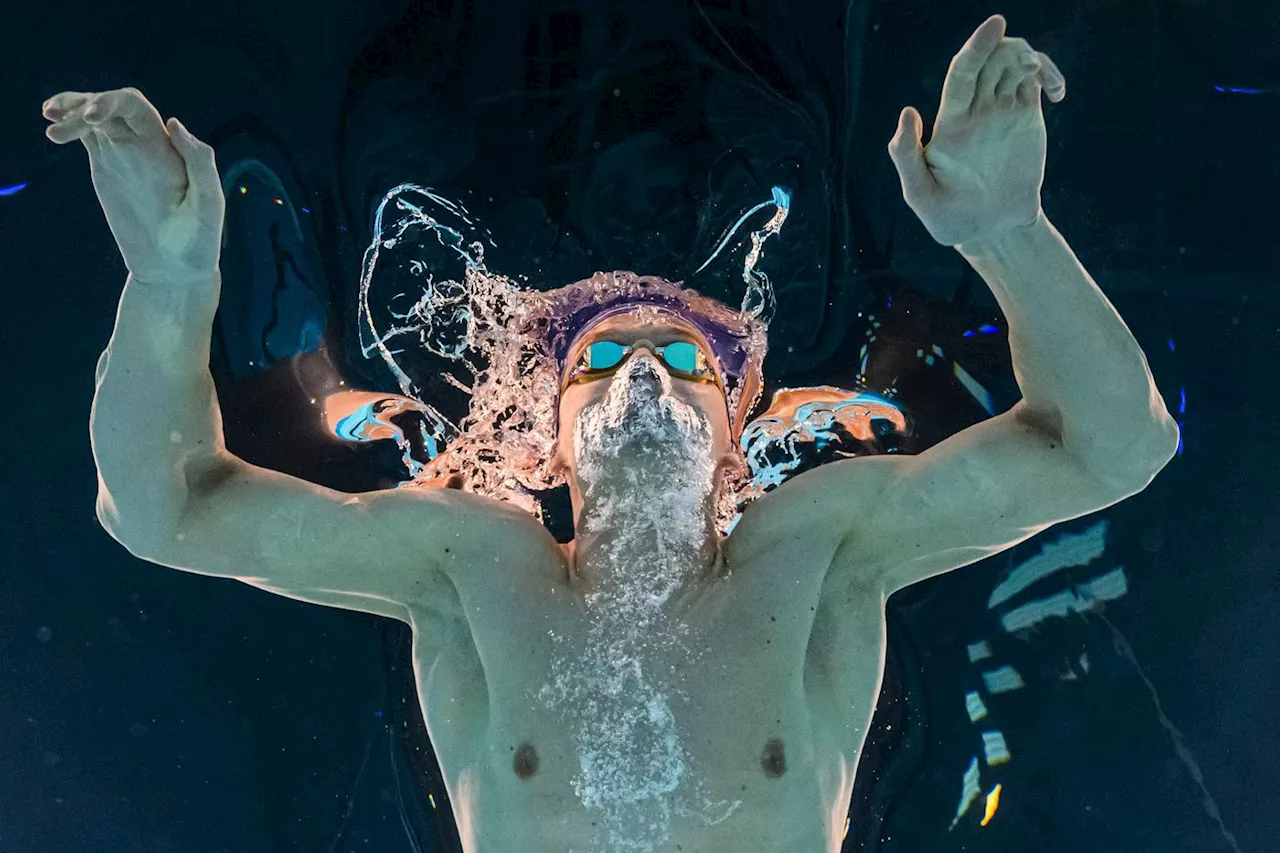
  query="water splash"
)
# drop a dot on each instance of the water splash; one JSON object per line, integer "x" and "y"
{"x": 760, "y": 301}
{"x": 815, "y": 419}
{"x": 449, "y": 324}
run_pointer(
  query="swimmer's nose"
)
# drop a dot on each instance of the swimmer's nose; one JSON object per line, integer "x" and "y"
{"x": 644, "y": 367}
{"x": 643, "y": 377}
{"x": 647, "y": 366}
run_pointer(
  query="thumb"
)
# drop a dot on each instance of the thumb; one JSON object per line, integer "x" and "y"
{"x": 202, "y": 170}
{"x": 907, "y": 153}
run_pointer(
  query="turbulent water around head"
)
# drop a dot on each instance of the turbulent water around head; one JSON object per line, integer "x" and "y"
{"x": 447, "y": 326}
{"x": 444, "y": 325}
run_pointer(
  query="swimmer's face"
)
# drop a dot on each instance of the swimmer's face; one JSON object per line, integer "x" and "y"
{"x": 707, "y": 398}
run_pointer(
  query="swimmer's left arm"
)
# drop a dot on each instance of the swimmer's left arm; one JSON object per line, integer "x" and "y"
{"x": 1079, "y": 368}
{"x": 976, "y": 187}
{"x": 1091, "y": 429}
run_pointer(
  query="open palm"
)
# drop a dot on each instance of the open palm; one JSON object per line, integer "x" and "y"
{"x": 981, "y": 172}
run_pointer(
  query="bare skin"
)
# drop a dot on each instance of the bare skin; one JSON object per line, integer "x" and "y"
{"x": 786, "y": 616}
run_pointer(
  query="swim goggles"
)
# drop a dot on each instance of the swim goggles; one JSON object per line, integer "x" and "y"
{"x": 684, "y": 360}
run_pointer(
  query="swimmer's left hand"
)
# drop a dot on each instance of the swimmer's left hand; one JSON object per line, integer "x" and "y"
{"x": 980, "y": 174}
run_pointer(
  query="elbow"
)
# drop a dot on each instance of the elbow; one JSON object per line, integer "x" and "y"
{"x": 109, "y": 517}
{"x": 130, "y": 538}
{"x": 1165, "y": 444}
{"x": 1152, "y": 452}
{"x": 105, "y": 509}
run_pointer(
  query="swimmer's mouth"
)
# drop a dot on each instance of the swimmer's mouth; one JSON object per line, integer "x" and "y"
{"x": 645, "y": 390}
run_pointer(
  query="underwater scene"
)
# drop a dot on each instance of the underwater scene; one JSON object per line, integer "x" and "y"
{"x": 720, "y": 426}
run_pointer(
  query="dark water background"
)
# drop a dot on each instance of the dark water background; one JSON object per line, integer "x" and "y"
{"x": 147, "y": 710}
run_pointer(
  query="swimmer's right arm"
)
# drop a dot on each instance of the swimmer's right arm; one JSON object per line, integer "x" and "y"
{"x": 168, "y": 490}
{"x": 155, "y": 417}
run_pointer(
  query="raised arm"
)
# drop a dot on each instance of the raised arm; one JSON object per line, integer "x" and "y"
{"x": 168, "y": 489}
{"x": 1091, "y": 429}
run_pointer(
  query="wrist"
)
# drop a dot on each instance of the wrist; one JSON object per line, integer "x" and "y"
{"x": 1001, "y": 241}
{"x": 175, "y": 278}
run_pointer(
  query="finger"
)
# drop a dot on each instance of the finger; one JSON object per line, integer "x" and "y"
{"x": 1006, "y": 91}
{"x": 984, "y": 93}
{"x": 907, "y": 154}
{"x": 1054, "y": 83}
{"x": 1008, "y": 55}
{"x": 101, "y": 113}
{"x": 62, "y": 103}
{"x": 202, "y": 166}
{"x": 1023, "y": 65}
{"x": 125, "y": 114}
{"x": 1029, "y": 91}
{"x": 131, "y": 107}
{"x": 962, "y": 77}
{"x": 67, "y": 131}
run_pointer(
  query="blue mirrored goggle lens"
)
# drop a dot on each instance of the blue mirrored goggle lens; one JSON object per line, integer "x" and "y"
{"x": 680, "y": 355}
{"x": 603, "y": 355}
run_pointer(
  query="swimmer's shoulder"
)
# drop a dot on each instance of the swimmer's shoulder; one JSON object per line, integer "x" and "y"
{"x": 797, "y": 524}
{"x": 484, "y": 537}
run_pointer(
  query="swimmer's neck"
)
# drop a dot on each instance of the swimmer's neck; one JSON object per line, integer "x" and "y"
{"x": 607, "y": 523}
{"x": 592, "y": 563}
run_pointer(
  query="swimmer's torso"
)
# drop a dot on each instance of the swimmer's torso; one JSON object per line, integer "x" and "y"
{"x": 769, "y": 710}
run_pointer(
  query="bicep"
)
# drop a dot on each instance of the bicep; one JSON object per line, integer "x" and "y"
{"x": 357, "y": 601}
{"x": 303, "y": 540}
{"x": 974, "y": 495}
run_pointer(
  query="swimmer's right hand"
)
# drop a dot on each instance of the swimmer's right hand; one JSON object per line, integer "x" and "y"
{"x": 158, "y": 184}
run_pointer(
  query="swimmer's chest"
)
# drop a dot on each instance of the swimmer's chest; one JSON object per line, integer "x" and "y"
{"x": 769, "y": 698}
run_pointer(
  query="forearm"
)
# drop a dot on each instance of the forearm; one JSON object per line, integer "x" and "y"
{"x": 1077, "y": 364}
{"x": 154, "y": 409}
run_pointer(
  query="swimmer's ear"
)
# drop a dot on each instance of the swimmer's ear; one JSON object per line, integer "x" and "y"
{"x": 732, "y": 462}
{"x": 557, "y": 464}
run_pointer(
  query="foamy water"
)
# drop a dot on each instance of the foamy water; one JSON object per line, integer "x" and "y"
{"x": 644, "y": 460}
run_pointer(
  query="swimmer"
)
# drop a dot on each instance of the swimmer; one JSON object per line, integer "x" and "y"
{"x": 650, "y": 685}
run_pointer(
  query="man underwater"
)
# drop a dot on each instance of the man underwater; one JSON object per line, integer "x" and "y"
{"x": 650, "y": 685}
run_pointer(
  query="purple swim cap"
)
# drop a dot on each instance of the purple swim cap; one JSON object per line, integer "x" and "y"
{"x": 738, "y": 341}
